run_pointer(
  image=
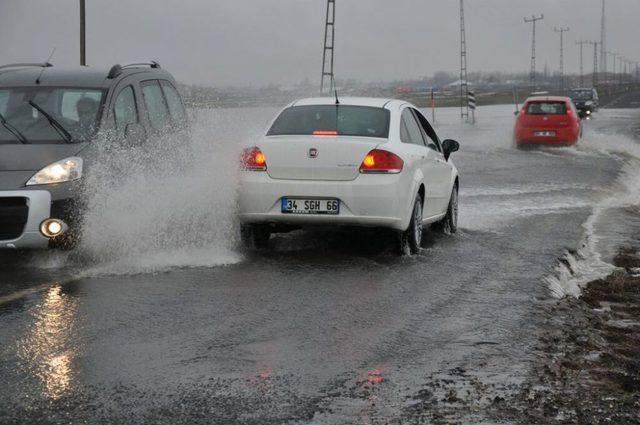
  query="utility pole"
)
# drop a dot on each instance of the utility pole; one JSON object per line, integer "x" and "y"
{"x": 561, "y": 30}
{"x": 613, "y": 63}
{"x": 603, "y": 41}
{"x": 627, "y": 68}
{"x": 595, "y": 62}
{"x": 581, "y": 44}
{"x": 328, "y": 79}
{"x": 83, "y": 34}
{"x": 464, "y": 83}
{"x": 620, "y": 59}
{"x": 613, "y": 56}
{"x": 532, "y": 77}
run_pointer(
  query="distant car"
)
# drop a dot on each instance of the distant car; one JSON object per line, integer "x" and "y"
{"x": 361, "y": 162}
{"x": 49, "y": 119}
{"x": 548, "y": 120}
{"x": 586, "y": 100}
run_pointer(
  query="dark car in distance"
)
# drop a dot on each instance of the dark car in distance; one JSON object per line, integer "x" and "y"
{"x": 586, "y": 100}
{"x": 49, "y": 121}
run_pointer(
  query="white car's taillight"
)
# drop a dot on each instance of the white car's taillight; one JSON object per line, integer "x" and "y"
{"x": 379, "y": 161}
{"x": 253, "y": 160}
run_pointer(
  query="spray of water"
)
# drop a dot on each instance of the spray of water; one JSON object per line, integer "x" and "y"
{"x": 169, "y": 203}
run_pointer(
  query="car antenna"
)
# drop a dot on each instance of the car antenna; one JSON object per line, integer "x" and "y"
{"x": 45, "y": 67}
{"x": 337, "y": 100}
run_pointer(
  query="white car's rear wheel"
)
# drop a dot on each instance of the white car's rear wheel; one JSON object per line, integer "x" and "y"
{"x": 410, "y": 240}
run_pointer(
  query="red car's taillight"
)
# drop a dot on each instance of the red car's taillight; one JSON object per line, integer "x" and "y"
{"x": 381, "y": 162}
{"x": 253, "y": 159}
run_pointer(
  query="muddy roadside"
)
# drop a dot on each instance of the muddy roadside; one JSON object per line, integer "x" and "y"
{"x": 589, "y": 369}
{"x": 586, "y": 368}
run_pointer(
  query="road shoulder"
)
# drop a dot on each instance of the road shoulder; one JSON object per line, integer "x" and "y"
{"x": 589, "y": 369}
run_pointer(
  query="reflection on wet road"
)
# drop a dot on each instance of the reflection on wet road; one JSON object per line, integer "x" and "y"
{"x": 324, "y": 328}
{"x": 47, "y": 348}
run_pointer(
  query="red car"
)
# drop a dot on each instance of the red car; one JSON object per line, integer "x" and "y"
{"x": 548, "y": 120}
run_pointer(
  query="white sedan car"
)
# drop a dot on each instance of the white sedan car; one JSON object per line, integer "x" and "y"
{"x": 349, "y": 162}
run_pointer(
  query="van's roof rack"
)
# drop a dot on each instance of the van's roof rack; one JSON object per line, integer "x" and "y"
{"x": 117, "y": 68}
{"x": 27, "y": 65}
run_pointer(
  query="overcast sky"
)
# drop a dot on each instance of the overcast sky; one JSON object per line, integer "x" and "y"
{"x": 256, "y": 42}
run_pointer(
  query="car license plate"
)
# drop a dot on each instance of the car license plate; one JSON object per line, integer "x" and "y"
{"x": 310, "y": 206}
{"x": 545, "y": 133}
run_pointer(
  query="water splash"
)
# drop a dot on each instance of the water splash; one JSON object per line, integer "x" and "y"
{"x": 587, "y": 263}
{"x": 170, "y": 203}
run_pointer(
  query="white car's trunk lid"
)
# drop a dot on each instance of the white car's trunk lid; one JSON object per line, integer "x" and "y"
{"x": 316, "y": 157}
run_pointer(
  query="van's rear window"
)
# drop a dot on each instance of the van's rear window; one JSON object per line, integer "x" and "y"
{"x": 546, "y": 108}
{"x": 327, "y": 120}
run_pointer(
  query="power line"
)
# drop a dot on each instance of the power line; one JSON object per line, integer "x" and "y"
{"x": 581, "y": 44}
{"x": 561, "y": 30}
{"x": 613, "y": 56}
{"x": 328, "y": 78}
{"x": 627, "y": 68}
{"x": 464, "y": 83}
{"x": 532, "y": 77}
{"x": 620, "y": 58}
{"x": 595, "y": 61}
{"x": 603, "y": 40}
{"x": 613, "y": 63}
{"x": 83, "y": 34}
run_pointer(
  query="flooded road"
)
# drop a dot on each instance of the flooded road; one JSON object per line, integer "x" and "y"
{"x": 324, "y": 328}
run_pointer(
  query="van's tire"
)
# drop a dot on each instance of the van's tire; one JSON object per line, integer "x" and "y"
{"x": 449, "y": 224}
{"x": 255, "y": 236}
{"x": 410, "y": 240}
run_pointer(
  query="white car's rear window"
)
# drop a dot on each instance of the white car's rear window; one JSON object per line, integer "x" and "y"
{"x": 327, "y": 120}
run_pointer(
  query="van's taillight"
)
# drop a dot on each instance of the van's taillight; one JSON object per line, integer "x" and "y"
{"x": 254, "y": 160}
{"x": 381, "y": 162}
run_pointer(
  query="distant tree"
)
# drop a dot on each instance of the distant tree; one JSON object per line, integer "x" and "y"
{"x": 442, "y": 78}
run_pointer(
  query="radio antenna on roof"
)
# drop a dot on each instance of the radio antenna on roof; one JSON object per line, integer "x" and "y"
{"x": 45, "y": 67}
{"x": 336, "y": 93}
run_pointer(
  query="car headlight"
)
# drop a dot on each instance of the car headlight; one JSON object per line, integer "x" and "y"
{"x": 588, "y": 103}
{"x": 65, "y": 170}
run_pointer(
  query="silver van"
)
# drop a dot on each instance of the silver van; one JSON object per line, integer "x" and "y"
{"x": 49, "y": 119}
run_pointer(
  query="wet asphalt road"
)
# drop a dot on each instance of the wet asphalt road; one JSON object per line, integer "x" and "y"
{"x": 325, "y": 327}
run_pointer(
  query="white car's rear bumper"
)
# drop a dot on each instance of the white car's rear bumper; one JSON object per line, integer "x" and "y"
{"x": 371, "y": 200}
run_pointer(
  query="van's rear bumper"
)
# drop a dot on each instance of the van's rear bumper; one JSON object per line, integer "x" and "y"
{"x": 38, "y": 209}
